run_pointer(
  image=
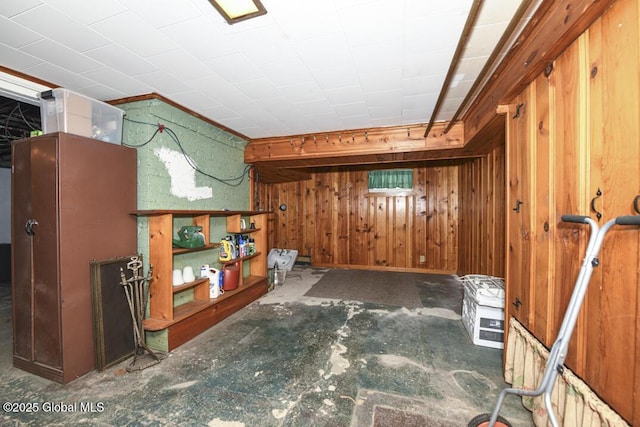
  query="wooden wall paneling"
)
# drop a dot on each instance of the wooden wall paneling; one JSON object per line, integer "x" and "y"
{"x": 360, "y": 226}
{"x": 431, "y": 217}
{"x": 463, "y": 258}
{"x": 614, "y": 162}
{"x": 326, "y": 229}
{"x": 481, "y": 214}
{"x": 421, "y": 217}
{"x": 400, "y": 252}
{"x": 497, "y": 172}
{"x": 486, "y": 212}
{"x": 569, "y": 176}
{"x": 308, "y": 200}
{"x": 541, "y": 203}
{"x": 335, "y": 219}
{"x": 382, "y": 231}
{"x": 452, "y": 216}
{"x": 343, "y": 202}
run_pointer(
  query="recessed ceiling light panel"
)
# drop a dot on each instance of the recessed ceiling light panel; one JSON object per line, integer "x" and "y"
{"x": 238, "y": 10}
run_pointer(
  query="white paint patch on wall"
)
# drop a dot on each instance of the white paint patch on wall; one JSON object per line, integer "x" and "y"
{"x": 183, "y": 176}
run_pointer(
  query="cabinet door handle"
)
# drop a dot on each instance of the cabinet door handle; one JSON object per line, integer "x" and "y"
{"x": 636, "y": 204}
{"x": 28, "y": 227}
{"x": 593, "y": 204}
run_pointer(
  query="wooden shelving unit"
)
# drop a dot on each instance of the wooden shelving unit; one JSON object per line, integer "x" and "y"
{"x": 185, "y": 320}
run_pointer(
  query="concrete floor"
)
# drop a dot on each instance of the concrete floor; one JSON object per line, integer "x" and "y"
{"x": 287, "y": 360}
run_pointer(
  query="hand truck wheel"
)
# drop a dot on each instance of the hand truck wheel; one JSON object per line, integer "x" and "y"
{"x": 482, "y": 420}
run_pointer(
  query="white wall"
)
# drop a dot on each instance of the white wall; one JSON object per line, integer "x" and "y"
{"x": 5, "y": 205}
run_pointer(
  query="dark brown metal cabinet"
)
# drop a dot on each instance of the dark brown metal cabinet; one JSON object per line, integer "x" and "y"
{"x": 71, "y": 203}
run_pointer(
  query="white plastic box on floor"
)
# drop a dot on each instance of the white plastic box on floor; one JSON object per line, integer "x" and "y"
{"x": 483, "y": 310}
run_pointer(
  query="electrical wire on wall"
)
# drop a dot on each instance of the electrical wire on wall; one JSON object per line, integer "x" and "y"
{"x": 160, "y": 128}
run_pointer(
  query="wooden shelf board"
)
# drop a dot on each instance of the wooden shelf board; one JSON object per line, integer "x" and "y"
{"x": 244, "y": 258}
{"x": 189, "y": 285}
{"x": 154, "y": 212}
{"x": 178, "y": 250}
{"x": 190, "y": 308}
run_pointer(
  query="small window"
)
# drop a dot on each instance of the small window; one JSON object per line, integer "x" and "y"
{"x": 391, "y": 180}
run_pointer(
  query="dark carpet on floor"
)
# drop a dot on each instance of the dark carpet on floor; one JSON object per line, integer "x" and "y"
{"x": 378, "y": 287}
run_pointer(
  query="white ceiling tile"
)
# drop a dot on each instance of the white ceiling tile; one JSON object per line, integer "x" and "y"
{"x": 173, "y": 61}
{"x": 434, "y": 64}
{"x": 60, "y": 76}
{"x": 287, "y": 73}
{"x": 88, "y": 12}
{"x": 423, "y": 84}
{"x": 483, "y": 40}
{"x": 377, "y": 81}
{"x": 118, "y": 80}
{"x": 234, "y": 68}
{"x": 199, "y": 38}
{"x": 303, "y": 92}
{"x": 16, "y": 35}
{"x": 12, "y": 8}
{"x": 98, "y": 91}
{"x": 315, "y": 107}
{"x": 321, "y": 52}
{"x": 355, "y": 109}
{"x": 495, "y": 11}
{"x": 391, "y": 98}
{"x": 335, "y": 77}
{"x": 259, "y": 89}
{"x": 164, "y": 83}
{"x": 418, "y": 101}
{"x": 418, "y": 115}
{"x": 366, "y": 57}
{"x": 421, "y": 8}
{"x": 53, "y": 24}
{"x": 161, "y": 13}
{"x": 122, "y": 59}
{"x": 344, "y": 95}
{"x": 127, "y": 29}
{"x": 62, "y": 56}
{"x": 17, "y": 60}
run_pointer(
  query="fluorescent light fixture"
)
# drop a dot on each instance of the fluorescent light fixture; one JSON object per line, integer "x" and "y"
{"x": 238, "y": 10}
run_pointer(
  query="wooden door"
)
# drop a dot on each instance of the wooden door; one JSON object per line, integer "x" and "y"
{"x": 518, "y": 277}
{"x": 614, "y": 161}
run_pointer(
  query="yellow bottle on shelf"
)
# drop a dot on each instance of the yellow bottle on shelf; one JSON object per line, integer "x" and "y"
{"x": 226, "y": 250}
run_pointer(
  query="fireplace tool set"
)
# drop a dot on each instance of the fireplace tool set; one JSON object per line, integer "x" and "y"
{"x": 137, "y": 296}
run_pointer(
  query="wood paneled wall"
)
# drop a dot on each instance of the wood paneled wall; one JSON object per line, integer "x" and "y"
{"x": 572, "y": 148}
{"x": 335, "y": 220}
{"x": 482, "y": 214}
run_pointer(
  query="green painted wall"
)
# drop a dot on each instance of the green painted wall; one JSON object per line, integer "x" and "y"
{"x": 166, "y": 181}
{"x": 216, "y": 152}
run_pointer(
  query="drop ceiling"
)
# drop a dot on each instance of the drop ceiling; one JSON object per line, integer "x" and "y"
{"x": 306, "y": 66}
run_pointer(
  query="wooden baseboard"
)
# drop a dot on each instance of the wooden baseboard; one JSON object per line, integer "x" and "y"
{"x": 385, "y": 268}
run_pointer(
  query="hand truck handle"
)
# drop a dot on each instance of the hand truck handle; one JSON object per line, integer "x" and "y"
{"x": 628, "y": 220}
{"x": 580, "y": 219}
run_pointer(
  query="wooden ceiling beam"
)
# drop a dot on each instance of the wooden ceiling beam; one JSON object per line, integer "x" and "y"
{"x": 322, "y": 147}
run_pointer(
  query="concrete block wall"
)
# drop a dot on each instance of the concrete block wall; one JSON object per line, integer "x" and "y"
{"x": 165, "y": 179}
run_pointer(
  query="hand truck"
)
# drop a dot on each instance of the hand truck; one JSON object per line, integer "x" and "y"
{"x": 558, "y": 351}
